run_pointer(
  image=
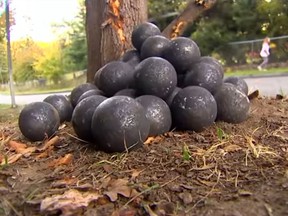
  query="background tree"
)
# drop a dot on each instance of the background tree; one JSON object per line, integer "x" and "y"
{"x": 109, "y": 25}
{"x": 3, "y": 47}
{"x": 75, "y": 48}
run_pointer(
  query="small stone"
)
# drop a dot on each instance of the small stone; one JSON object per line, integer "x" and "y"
{"x": 186, "y": 198}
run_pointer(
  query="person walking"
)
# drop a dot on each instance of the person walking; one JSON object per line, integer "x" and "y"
{"x": 264, "y": 53}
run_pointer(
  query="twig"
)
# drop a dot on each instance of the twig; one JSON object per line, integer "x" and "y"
{"x": 12, "y": 207}
{"x": 149, "y": 189}
{"x": 208, "y": 194}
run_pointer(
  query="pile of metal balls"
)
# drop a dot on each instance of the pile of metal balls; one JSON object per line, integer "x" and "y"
{"x": 159, "y": 85}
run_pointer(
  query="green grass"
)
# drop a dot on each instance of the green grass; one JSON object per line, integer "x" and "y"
{"x": 43, "y": 91}
{"x": 66, "y": 85}
{"x": 9, "y": 114}
{"x": 4, "y": 106}
{"x": 255, "y": 72}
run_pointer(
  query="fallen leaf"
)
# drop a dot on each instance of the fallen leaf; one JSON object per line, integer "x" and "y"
{"x": 67, "y": 159}
{"x": 253, "y": 95}
{"x": 61, "y": 127}
{"x": 11, "y": 159}
{"x": 135, "y": 173}
{"x": 64, "y": 182}
{"x": 27, "y": 152}
{"x": 69, "y": 202}
{"x": 119, "y": 186}
{"x": 108, "y": 168}
{"x": 169, "y": 134}
{"x": 151, "y": 140}
{"x": 42, "y": 155}
{"x": 124, "y": 212}
{"x": 232, "y": 148}
{"x": 16, "y": 146}
{"x": 245, "y": 193}
{"x": 49, "y": 143}
{"x": 21, "y": 148}
{"x": 207, "y": 183}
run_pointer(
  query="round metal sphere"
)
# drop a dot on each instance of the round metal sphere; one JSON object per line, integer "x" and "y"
{"x": 194, "y": 108}
{"x": 239, "y": 83}
{"x": 142, "y": 32}
{"x": 155, "y": 76}
{"x": 119, "y": 124}
{"x": 97, "y": 77}
{"x": 170, "y": 98}
{"x": 114, "y": 76}
{"x": 38, "y": 120}
{"x": 79, "y": 90}
{"x": 62, "y": 105}
{"x": 132, "y": 57}
{"x": 82, "y": 116}
{"x": 158, "y": 114}
{"x": 90, "y": 93}
{"x": 153, "y": 46}
{"x": 127, "y": 92}
{"x": 215, "y": 62}
{"x": 233, "y": 105}
{"x": 182, "y": 53}
{"x": 205, "y": 75}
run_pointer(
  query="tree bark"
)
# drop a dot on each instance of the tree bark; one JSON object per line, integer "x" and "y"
{"x": 188, "y": 15}
{"x": 109, "y": 25}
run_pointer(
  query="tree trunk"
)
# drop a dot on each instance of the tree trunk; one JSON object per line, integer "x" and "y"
{"x": 109, "y": 25}
{"x": 188, "y": 15}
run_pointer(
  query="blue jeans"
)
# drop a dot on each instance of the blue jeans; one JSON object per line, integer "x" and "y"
{"x": 264, "y": 63}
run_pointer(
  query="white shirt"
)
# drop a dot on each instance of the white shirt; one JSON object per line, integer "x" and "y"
{"x": 265, "y": 50}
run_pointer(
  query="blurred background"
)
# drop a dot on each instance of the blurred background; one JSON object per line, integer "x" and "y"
{"x": 49, "y": 50}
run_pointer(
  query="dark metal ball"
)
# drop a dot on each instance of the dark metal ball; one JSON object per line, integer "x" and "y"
{"x": 142, "y": 32}
{"x": 62, "y": 105}
{"x": 239, "y": 83}
{"x": 114, "y": 76}
{"x": 38, "y": 120}
{"x": 194, "y": 108}
{"x": 204, "y": 74}
{"x": 158, "y": 114}
{"x": 82, "y": 116}
{"x": 90, "y": 93}
{"x": 153, "y": 46}
{"x": 119, "y": 124}
{"x": 182, "y": 53}
{"x": 233, "y": 105}
{"x": 79, "y": 90}
{"x": 127, "y": 92}
{"x": 155, "y": 76}
{"x": 132, "y": 57}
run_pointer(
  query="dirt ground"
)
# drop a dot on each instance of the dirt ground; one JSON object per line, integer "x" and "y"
{"x": 226, "y": 170}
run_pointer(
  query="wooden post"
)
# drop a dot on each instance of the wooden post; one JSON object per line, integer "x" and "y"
{"x": 9, "y": 58}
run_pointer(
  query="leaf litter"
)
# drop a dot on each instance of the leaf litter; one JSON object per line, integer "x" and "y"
{"x": 219, "y": 171}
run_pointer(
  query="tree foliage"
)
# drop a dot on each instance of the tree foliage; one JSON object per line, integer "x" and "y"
{"x": 162, "y": 12}
{"x": 35, "y": 60}
{"x": 227, "y": 21}
{"x": 76, "y": 50}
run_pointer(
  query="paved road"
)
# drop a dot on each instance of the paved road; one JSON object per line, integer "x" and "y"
{"x": 268, "y": 86}
{"x": 25, "y": 99}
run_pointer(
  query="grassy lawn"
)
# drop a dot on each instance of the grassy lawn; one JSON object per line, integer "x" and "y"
{"x": 255, "y": 72}
{"x": 70, "y": 83}
{"x": 9, "y": 114}
{"x": 66, "y": 85}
